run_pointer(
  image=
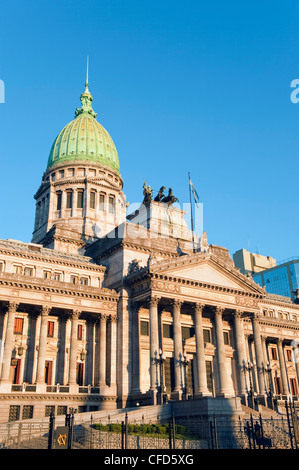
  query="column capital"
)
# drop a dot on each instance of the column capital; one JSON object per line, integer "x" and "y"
{"x": 177, "y": 303}
{"x": 102, "y": 317}
{"x": 113, "y": 317}
{"x": 12, "y": 306}
{"x": 198, "y": 307}
{"x": 218, "y": 310}
{"x": 256, "y": 316}
{"x": 279, "y": 341}
{"x": 75, "y": 314}
{"x": 153, "y": 300}
{"x": 238, "y": 313}
{"x": 44, "y": 310}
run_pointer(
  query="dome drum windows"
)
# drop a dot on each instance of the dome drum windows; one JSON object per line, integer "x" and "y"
{"x": 80, "y": 198}
{"x": 102, "y": 202}
{"x": 111, "y": 205}
{"x": 92, "y": 200}
{"x": 69, "y": 199}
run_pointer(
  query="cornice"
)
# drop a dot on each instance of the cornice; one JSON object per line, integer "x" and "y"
{"x": 145, "y": 274}
{"x": 53, "y": 260}
{"x": 58, "y": 287}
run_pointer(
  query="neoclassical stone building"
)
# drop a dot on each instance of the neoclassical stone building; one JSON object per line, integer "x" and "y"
{"x": 104, "y": 309}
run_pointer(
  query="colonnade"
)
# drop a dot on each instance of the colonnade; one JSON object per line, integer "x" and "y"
{"x": 225, "y": 386}
{"x": 95, "y": 360}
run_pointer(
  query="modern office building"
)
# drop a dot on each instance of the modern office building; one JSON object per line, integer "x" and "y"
{"x": 102, "y": 311}
{"x": 252, "y": 262}
{"x": 282, "y": 279}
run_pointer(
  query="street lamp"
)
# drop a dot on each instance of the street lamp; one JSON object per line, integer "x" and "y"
{"x": 268, "y": 370}
{"x": 161, "y": 360}
{"x": 249, "y": 367}
{"x": 185, "y": 361}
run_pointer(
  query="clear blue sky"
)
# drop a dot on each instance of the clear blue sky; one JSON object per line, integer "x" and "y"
{"x": 199, "y": 87}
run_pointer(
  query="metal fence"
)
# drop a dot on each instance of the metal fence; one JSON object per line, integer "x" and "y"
{"x": 253, "y": 432}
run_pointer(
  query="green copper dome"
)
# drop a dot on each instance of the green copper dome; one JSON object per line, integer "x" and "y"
{"x": 84, "y": 139}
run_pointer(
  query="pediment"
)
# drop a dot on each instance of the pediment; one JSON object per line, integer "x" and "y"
{"x": 206, "y": 269}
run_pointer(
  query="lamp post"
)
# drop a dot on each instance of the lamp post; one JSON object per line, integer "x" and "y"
{"x": 248, "y": 367}
{"x": 185, "y": 361}
{"x": 161, "y": 360}
{"x": 268, "y": 370}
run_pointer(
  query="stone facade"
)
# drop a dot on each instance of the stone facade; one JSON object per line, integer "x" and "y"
{"x": 101, "y": 311}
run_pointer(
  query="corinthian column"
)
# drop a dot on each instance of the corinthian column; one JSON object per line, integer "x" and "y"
{"x": 283, "y": 372}
{"x": 202, "y": 389}
{"x": 42, "y": 347}
{"x": 135, "y": 348}
{"x": 178, "y": 348}
{"x": 224, "y": 389}
{"x": 258, "y": 353}
{"x": 73, "y": 347}
{"x": 102, "y": 368}
{"x": 8, "y": 342}
{"x": 154, "y": 342}
{"x": 240, "y": 346}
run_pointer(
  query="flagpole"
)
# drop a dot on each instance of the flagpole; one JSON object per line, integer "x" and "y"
{"x": 192, "y": 228}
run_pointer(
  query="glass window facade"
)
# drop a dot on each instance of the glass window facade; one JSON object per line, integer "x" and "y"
{"x": 282, "y": 280}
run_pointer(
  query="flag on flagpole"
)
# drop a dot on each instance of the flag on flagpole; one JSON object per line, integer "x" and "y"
{"x": 195, "y": 195}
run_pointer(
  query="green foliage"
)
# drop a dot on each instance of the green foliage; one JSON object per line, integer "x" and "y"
{"x": 156, "y": 430}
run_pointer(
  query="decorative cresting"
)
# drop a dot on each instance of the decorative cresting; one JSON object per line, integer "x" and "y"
{"x": 84, "y": 139}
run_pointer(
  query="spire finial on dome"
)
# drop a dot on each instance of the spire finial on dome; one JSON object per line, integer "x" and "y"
{"x": 86, "y": 82}
{"x": 86, "y": 98}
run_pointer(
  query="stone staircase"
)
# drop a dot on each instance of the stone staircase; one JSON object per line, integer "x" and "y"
{"x": 266, "y": 413}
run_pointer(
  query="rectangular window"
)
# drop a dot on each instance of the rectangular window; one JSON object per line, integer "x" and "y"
{"x": 144, "y": 328}
{"x": 111, "y": 205}
{"x": 17, "y": 269}
{"x": 1, "y": 267}
{"x": 28, "y": 272}
{"x": 289, "y": 355}
{"x": 167, "y": 331}
{"x": 102, "y": 202}
{"x": 274, "y": 354}
{"x": 226, "y": 338}
{"x": 92, "y": 201}
{"x": 71, "y": 172}
{"x": 294, "y": 388}
{"x": 187, "y": 332}
{"x": 80, "y": 331}
{"x": 207, "y": 336}
{"x": 14, "y": 413}
{"x": 27, "y": 412}
{"x": 80, "y": 199}
{"x": 59, "y": 198}
{"x": 61, "y": 174}
{"x": 57, "y": 277}
{"x": 50, "y": 332}
{"x": 46, "y": 274}
{"x": 278, "y": 387}
{"x": 84, "y": 281}
{"x": 74, "y": 279}
{"x": 18, "y": 326}
{"x": 69, "y": 199}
